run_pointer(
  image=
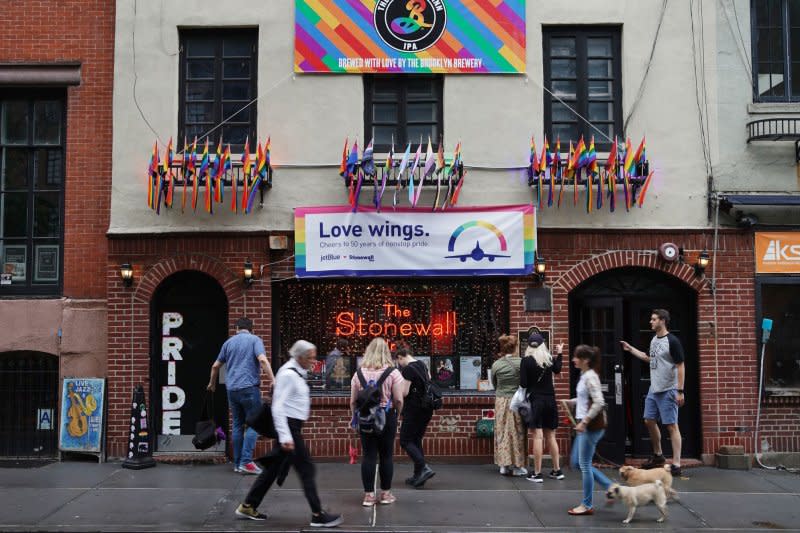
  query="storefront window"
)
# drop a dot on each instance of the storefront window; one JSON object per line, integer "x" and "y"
{"x": 781, "y": 303}
{"x": 452, "y": 326}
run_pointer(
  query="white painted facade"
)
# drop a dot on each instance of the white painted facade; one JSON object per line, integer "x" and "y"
{"x": 309, "y": 115}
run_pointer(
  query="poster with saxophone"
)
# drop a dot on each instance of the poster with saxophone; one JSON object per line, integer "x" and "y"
{"x": 82, "y": 411}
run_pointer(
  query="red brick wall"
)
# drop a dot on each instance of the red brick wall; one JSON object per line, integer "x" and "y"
{"x": 153, "y": 260}
{"x": 728, "y": 386}
{"x": 66, "y": 31}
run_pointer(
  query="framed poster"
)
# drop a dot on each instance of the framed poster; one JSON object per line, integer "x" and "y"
{"x": 15, "y": 257}
{"x": 444, "y": 371}
{"x": 316, "y": 375}
{"x": 82, "y": 414}
{"x": 46, "y": 263}
{"x": 338, "y": 372}
{"x": 470, "y": 372}
{"x": 523, "y": 338}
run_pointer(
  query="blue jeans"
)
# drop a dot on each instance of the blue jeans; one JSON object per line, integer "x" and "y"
{"x": 243, "y": 402}
{"x": 582, "y": 452}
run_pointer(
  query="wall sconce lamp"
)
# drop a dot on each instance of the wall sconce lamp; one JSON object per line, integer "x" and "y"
{"x": 248, "y": 273}
{"x": 540, "y": 267}
{"x": 126, "y": 273}
{"x": 702, "y": 262}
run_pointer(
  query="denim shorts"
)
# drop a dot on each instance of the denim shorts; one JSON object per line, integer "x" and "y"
{"x": 662, "y": 406}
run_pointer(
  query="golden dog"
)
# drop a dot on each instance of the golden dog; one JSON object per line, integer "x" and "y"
{"x": 636, "y": 476}
{"x": 641, "y": 495}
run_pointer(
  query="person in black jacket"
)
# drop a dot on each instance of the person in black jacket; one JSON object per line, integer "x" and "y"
{"x": 415, "y": 416}
{"x": 536, "y": 376}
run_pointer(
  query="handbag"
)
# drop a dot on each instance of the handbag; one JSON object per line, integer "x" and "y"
{"x": 261, "y": 421}
{"x": 205, "y": 430}
{"x": 520, "y": 401}
{"x": 600, "y": 421}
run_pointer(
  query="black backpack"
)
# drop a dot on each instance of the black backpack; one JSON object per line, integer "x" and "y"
{"x": 371, "y": 418}
{"x": 430, "y": 395}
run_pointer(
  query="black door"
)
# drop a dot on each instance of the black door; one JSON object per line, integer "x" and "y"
{"x": 203, "y": 309}
{"x": 599, "y": 323}
{"x": 616, "y": 305}
{"x": 28, "y": 404}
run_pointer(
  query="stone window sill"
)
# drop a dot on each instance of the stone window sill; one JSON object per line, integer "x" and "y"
{"x": 774, "y": 108}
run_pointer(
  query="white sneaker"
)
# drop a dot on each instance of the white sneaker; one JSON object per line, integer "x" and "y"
{"x": 519, "y": 471}
{"x": 503, "y": 470}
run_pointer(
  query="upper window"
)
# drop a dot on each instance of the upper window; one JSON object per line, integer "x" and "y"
{"x": 776, "y": 50}
{"x": 32, "y": 143}
{"x": 582, "y": 69}
{"x": 402, "y": 108}
{"x": 218, "y": 79}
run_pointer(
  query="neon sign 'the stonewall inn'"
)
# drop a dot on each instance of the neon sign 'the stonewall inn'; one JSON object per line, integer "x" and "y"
{"x": 347, "y": 324}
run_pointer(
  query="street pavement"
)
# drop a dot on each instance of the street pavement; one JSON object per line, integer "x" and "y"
{"x": 81, "y": 496}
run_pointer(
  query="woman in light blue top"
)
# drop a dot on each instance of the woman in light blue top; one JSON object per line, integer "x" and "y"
{"x": 588, "y": 404}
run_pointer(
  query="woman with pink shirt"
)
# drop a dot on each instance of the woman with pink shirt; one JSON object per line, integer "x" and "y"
{"x": 377, "y": 360}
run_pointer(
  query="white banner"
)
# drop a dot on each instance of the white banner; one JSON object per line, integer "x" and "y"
{"x": 487, "y": 241}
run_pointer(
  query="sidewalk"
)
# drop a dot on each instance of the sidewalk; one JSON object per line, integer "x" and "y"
{"x": 78, "y": 496}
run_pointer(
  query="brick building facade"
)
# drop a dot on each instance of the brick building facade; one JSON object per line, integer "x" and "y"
{"x": 56, "y": 85}
{"x": 723, "y": 359}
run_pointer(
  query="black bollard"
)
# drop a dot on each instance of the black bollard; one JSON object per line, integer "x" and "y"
{"x": 140, "y": 453}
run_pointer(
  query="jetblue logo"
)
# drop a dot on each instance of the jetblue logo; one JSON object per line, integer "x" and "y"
{"x": 782, "y": 252}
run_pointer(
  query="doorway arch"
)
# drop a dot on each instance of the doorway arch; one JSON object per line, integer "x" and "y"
{"x": 616, "y": 305}
{"x": 189, "y": 323}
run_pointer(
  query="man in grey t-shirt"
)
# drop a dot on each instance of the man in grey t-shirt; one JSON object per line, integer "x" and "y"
{"x": 666, "y": 388}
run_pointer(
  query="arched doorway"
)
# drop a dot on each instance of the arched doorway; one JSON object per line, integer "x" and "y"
{"x": 28, "y": 404}
{"x": 616, "y": 305}
{"x": 189, "y": 323}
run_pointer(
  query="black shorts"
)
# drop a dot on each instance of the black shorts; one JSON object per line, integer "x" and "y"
{"x": 544, "y": 412}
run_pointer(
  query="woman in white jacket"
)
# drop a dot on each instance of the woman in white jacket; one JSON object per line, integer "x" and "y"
{"x": 589, "y": 404}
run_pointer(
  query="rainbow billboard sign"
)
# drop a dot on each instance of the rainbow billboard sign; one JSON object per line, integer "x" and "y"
{"x": 410, "y": 36}
{"x": 479, "y": 241}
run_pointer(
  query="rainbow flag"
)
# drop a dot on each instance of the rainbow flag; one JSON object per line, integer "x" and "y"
{"x": 343, "y": 164}
{"x": 191, "y": 168}
{"x": 414, "y": 165}
{"x": 627, "y": 166}
{"x": 151, "y": 172}
{"x": 184, "y": 164}
{"x": 566, "y": 174}
{"x": 439, "y": 171}
{"x": 611, "y": 173}
{"x": 554, "y": 161}
{"x": 204, "y": 165}
{"x": 533, "y": 171}
{"x": 352, "y": 163}
{"x": 580, "y": 158}
{"x": 387, "y": 170}
{"x": 169, "y": 156}
{"x": 543, "y": 168}
{"x": 639, "y": 158}
{"x": 645, "y": 187}
{"x": 591, "y": 173}
{"x": 247, "y": 167}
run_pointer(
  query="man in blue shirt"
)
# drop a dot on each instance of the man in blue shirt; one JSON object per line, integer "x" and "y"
{"x": 244, "y": 358}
